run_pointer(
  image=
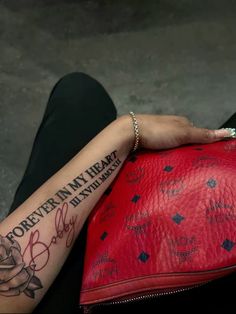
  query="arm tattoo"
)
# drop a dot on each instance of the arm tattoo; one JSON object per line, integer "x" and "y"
{"x": 17, "y": 276}
{"x": 38, "y": 251}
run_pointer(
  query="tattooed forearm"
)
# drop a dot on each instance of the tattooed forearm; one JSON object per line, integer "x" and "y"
{"x": 68, "y": 192}
{"x": 17, "y": 265}
{"x": 94, "y": 185}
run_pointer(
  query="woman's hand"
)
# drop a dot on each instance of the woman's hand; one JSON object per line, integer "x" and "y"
{"x": 168, "y": 131}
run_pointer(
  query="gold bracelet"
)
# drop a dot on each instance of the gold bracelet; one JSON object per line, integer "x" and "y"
{"x": 136, "y": 131}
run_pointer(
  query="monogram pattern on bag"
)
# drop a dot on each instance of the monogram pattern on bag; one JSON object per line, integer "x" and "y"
{"x": 205, "y": 161}
{"x": 172, "y": 187}
{"x": 135, "y": 175}
{"x": 108, "y": 212}
{"x": 103, "y": 259}
{"x": 104, "y": 267}
{"x": 135, "y": 198}
{"x": 104, "y": 235}
{"x": 220, "y": 212}
{"x": 177, "y": 218}
{"x": 183, "y": 247}
{"x": 177, "y": 239}
{"x": 105, "y": 272}
{"x": 230, "y": 146}
{"x": 138, "y": 223}
{"x": 212, "y": 183}
{"x": 168, "y": 168}
{"x": 143, "y": 257}
{"x": 228, "y": 245}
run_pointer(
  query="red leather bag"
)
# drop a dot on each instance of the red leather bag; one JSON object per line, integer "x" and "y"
{"x": 167, "y": 223}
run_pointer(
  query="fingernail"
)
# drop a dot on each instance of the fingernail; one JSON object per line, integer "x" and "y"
{"x": 226, "y": 132}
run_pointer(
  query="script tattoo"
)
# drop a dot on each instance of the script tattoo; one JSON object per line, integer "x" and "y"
{"x": 17, "y": 276}
{"x": 39, "y": 251}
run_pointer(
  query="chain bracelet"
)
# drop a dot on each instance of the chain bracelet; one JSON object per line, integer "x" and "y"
{"x": 136, "y": 131}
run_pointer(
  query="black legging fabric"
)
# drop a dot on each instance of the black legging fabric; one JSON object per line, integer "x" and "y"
{"x": 79, "y": 108}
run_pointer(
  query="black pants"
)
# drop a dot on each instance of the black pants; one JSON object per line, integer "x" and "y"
{"x": 77, "y": 110}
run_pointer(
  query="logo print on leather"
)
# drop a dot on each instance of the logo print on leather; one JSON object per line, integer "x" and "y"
{"x": 103, "y": 259}
{"x": 205, "y": 161}
{"x": 177, "y": 218}
{"x": 107, "y": 213}
{"x": 183, "y": 247}
{"x": 104, "y": 267}
{"x": 168, "y": 168}
{"x": 220, "y": 212}
{"x": 198, "y": 148}
{"x": 212, "y": 183}
{"x": 105, "y": 273}
{"x": 228, "y": 245}
{"x": 143, "y": 257}
{"x": 135, "y": 198}
{"x": 138, "y": 222}
{"x": 164, "y": 153}
{"x": 135, "y": 176}
{"x": 172, "y": 187}
{"x": 231, "y": 146}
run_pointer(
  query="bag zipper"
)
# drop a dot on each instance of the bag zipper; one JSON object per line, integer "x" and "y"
{"x": 164, "y": 291}
{"x": 87, "y": 309}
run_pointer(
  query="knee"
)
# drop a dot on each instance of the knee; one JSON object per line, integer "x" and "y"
{"x": 77, "y": 90}
{"x": 77, "y": 79}
{"x": 77, "y": 86}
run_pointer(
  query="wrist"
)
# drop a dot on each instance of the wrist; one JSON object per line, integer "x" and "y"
{"x": 127, "y": 130}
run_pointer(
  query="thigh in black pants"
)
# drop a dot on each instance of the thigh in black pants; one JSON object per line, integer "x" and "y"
{"x": 77, "y": 110}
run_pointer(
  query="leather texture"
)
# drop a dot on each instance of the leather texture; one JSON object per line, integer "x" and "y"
{"x": 167, "y": 221}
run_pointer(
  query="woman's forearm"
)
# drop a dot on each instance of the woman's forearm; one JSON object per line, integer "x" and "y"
{"x": 37, "y": 237}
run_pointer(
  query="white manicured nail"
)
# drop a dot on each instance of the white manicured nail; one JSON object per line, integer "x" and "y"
{"x": 226, "y": 132}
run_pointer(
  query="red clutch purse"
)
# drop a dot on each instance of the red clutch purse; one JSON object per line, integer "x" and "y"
{"x": 167, "y": 223}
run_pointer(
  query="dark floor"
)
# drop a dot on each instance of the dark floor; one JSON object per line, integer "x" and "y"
{"x": 166, "y": 56}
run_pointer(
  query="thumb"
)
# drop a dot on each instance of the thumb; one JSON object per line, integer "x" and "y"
{"x": 202, "y": 135}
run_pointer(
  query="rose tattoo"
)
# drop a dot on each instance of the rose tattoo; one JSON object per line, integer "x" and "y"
{"x": 15, "y": 277}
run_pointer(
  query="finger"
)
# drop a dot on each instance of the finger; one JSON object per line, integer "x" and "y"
{"x": 186, "y": 121}
{"x": 182, "y": 120}
{"x": 202, "y": 135}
